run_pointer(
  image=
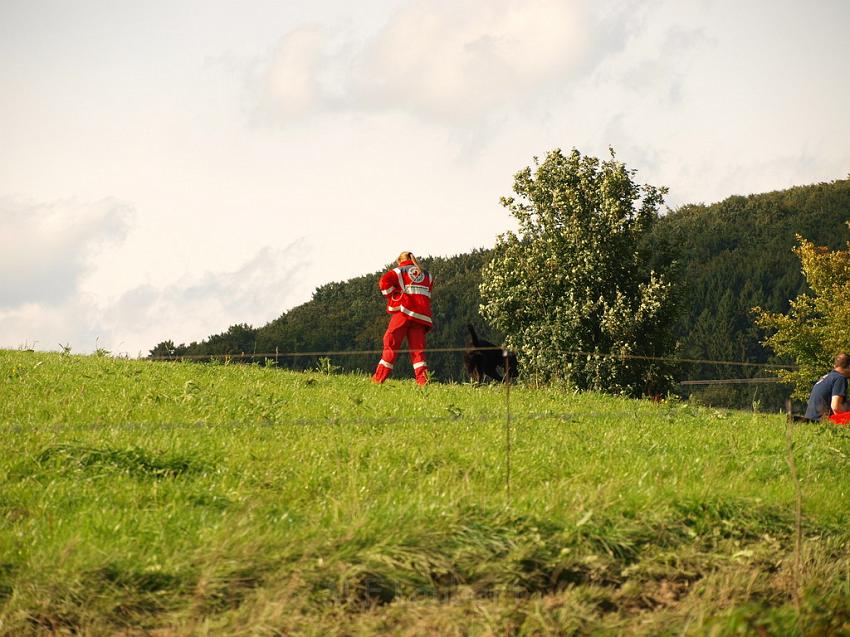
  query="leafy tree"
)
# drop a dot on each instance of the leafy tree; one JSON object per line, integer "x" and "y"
{"x": 167, "y": 349}
{"x": 817, "y": 325}
{"x": 238, "y": 339}
{"x": 576, "y": 277}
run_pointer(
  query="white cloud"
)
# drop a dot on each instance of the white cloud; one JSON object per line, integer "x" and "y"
{"x": 48, "y": 263}
{"x": 448, "y": 60}
{"x": 46, "y": 249}
{"x": 439, "y": 60}
{"x": 192, "y": 309}
{"x": 49, "y": 327}
{"x": 289, "y": 79}
{"x": 196, "y": 307}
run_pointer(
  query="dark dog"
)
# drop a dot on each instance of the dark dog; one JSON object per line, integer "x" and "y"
{"x": 482, "y": 358}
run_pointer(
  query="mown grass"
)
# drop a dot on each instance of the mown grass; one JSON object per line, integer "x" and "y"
{"x": 172, "y": 498}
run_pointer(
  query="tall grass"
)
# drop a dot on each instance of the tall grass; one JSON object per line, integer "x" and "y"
{"x": 213, "y": 499}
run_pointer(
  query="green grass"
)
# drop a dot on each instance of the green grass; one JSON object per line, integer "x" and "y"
{"x": 174, "y": 498}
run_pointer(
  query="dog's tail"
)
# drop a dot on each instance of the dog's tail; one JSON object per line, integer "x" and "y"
{"x": 472, "y": 334}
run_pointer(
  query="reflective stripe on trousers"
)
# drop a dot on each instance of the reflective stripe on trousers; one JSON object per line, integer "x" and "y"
{"x": 399, "y": 329}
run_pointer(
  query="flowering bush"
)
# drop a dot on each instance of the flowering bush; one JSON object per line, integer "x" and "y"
{"x": 572, "y": 290}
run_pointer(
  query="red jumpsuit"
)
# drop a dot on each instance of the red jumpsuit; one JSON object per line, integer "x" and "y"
{"x": 408, "y": 293}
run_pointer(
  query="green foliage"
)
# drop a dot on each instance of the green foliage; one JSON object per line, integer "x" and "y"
{"x": 576, "y": 277}
{"x": 817, "y": 325}
{"x": 326, "y": 366}
{"x": 178, "y": 498}
{"x": 733, "y": 255}
{"x": 737, "y": 254}
{"x": 167, "y": 349}
{"x": 237, "y": 340}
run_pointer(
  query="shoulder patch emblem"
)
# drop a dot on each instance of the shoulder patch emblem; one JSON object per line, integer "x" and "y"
{"x": 416, "y": 275}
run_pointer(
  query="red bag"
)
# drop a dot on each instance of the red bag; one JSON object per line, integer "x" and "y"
{"x": 842, "y": 418}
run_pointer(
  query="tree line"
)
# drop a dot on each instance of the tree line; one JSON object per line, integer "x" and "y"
{"x": 724, "y": 259}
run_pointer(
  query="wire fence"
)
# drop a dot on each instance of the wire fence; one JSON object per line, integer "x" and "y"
{"x": 708, "y": 389}
{"x": 275, "y": 357}
{"x": 674, "y": 360}
{"x": 731, "y": 381}
{"x": 757, "y": 386}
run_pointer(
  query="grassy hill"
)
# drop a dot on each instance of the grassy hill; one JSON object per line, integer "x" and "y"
{"x": 173, "y": 498}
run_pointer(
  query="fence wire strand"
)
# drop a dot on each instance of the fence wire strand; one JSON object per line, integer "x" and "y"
{"x": 375, "y": 352}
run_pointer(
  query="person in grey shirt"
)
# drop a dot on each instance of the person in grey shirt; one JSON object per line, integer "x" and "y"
{"x": 829, "y": 395}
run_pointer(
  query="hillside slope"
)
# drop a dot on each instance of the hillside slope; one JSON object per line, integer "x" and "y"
{"x": 734, "y": 255}
{"x": 183, "y": 499}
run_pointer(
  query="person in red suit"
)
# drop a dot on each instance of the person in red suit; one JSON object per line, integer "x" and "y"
{"x": 407, "y": 289}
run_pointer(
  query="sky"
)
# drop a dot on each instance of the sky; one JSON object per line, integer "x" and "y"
{"x": 171, "y": 168}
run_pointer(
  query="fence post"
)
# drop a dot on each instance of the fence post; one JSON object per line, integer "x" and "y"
{"x": 798, "y": 506}
{"x": 507, "y": 425}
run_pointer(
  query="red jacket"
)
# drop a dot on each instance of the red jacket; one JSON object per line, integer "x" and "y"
{"x": 408, "y": 290}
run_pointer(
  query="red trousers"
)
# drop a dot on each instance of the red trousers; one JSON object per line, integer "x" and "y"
{"x": 401, "y": 327}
